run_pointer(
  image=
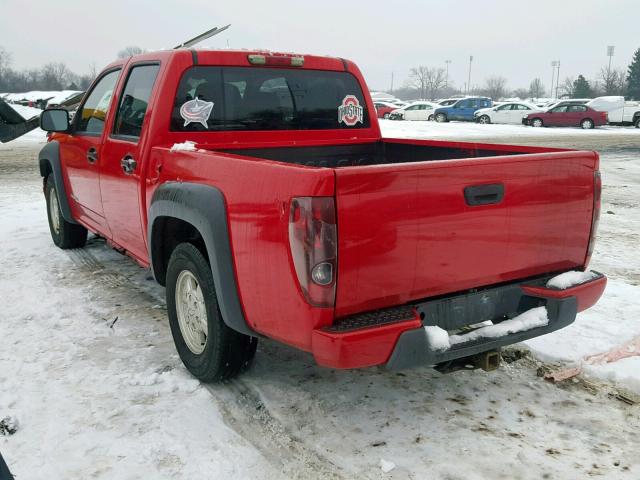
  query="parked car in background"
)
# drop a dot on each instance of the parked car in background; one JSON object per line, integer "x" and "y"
{"x": 421, "y": 110}
{"x": 384, "y": 109}
{"x": 510, "y": 112}
{"x": 618, "y": 111}
{"x": 567, "y": 115}
{"x": 463, "y": 109}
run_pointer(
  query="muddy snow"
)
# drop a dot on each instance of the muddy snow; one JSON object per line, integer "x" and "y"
{"x": 92, "y": 387}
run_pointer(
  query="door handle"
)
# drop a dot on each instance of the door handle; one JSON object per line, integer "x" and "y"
{"x": 128, "y": 164}
{"x": 484, "y": 194}
{"x": 92, "y": 155}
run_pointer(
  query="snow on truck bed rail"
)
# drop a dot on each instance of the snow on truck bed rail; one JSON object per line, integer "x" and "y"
{"x": 187, "y": 146}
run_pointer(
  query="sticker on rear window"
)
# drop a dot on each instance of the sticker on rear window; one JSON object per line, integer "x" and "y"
{"x": 350, "y": 112}
{"x": 196, "y": 111}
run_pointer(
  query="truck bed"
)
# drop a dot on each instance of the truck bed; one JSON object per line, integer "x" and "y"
{"x": 383, "y": 152}
{"x": 419, "y": 219}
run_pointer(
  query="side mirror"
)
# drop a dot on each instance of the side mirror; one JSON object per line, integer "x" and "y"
{"x": 55, "y": 120}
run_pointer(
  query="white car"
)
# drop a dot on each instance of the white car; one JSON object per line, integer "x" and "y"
{"x": 421, "y": 110}
{"x": 510, "y": 112}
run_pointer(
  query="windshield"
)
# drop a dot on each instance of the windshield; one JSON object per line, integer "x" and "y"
{"x": 250, "y": 98}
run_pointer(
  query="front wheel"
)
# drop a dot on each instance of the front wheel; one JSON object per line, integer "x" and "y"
{"x": 637, "y": 122}
{"x": 537, "y": 122}
{"x": 430, "y": 118}
{"x": 209, "y": 349}
{"x": 64, "y": 234}
{"x": 386, "y": 116}
{"x": 587, "y": 124}
{"x": 441, "y": 117}
{"x": 484, "y": 119}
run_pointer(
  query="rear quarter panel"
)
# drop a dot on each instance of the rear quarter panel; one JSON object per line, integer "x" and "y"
{"x": 257, "y": 195}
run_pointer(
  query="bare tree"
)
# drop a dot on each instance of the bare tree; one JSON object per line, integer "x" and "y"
{"x": 130, "y": 51}
{"x": 566, "y": 87}
{"x": 495, "y": 87}
{"x": 612, "y": 81}
{"x": 536, "y": 88}
{"x": 418, "y": 79}
{"x": 436, "y": 81}
{"x": 428, "y": 81}
{"x": 5, "y": 60}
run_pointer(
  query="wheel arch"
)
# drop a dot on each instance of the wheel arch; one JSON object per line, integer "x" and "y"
{"x": 197, "y": 213}
{"x": 49, "y": 163}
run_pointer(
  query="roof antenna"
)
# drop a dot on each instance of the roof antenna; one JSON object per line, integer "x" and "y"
{"x": 203, "y": 36}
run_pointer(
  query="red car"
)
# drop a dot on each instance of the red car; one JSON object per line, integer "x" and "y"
{"x": 384, "y": 109}
{"x": 260, "y": 191}
{"x": 567, "y": 116}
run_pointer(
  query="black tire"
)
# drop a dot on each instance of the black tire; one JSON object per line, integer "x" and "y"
{"x": 386, "y": 116}
{"x": 430, "y": 118}
{"x": 484, "y": 119}
{"x": 64, "y": 234}
{"x": 536, "y": 122}
{"x": 587, "y": 124}
{"x": 226, "y": 352}
{"x": 441, "y": 117}
{"x": 636, "y": 122}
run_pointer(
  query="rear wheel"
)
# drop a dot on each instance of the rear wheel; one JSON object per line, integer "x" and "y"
{"x": 441, "y": 117}
{"x": 637, "y": 122}
{"x": 430, "y": 118}
{"x": 209, "y": 349}
{"x": 64, "y": 234}
{"x": 537, "y": 122}
{"x": 484, "y": 119}
{"x": 587, "y": 124}
{"x": 386, "y": 116}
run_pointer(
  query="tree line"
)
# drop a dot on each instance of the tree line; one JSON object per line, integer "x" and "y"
{"x": 51, "y": 76}
{"x": 431, "y": 83}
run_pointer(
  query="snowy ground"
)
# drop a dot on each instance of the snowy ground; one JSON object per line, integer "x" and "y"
{"x": 88, "y": 368}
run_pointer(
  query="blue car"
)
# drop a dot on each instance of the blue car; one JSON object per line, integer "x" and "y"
{"x": 462, "y": 110}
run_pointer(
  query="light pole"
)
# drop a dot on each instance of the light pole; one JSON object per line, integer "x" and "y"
{"x": 610, "y": 51}
{"x": 469, "y": 79}
{"x": 558, "y": 79}
{"x": 554, "y": 64}
{"x": 446, "y": 80}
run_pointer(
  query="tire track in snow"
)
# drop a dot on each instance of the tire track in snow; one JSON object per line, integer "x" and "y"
{"x": 240, "y": 404}
{"x": 246, "y": 413}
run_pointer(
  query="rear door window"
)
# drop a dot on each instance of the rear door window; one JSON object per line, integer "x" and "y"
{"x": 134, "y": 100}
{"x": 249, "y": 98}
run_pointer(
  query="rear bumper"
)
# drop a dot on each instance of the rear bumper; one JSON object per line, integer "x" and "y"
{"x": 396, "y": 337}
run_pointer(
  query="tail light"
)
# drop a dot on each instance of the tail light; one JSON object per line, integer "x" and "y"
{"x": 314, "y": 248}
{"x": 595, "y": 219}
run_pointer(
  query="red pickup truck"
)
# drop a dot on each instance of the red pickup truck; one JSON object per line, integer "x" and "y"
{"x": 259, "y": 190}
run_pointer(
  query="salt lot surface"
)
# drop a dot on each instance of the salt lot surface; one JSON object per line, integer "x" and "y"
{"x": 89, "y": 372}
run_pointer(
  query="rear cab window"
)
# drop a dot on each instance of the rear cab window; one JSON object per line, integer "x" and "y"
{"x": 213, "y": 98}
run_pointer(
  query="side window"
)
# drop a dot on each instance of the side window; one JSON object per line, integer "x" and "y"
{"x": 562, "y": 108}
{"x": 580, "y": 108}
{"x": 508, "y": 106}
{"x": 462, "y": 104}
{"x": 413, "y": 107}
{"x": 93, "y": 113}
{"x": 134, "y": 100}
{"x": 484, "y": 103}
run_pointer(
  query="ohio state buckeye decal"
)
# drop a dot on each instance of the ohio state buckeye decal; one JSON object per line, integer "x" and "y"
{"x": 196, "y": 111}
{"x": 350, "y": 112}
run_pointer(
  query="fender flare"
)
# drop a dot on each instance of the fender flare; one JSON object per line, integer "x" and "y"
{"x": 50, "y": 156}
{"x": 203, "y": 207}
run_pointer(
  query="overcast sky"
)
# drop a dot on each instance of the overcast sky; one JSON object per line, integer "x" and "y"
{"x": 514, "y": 39}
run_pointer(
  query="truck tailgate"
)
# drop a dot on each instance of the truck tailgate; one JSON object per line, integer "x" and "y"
{"x": 407, "y": 231}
